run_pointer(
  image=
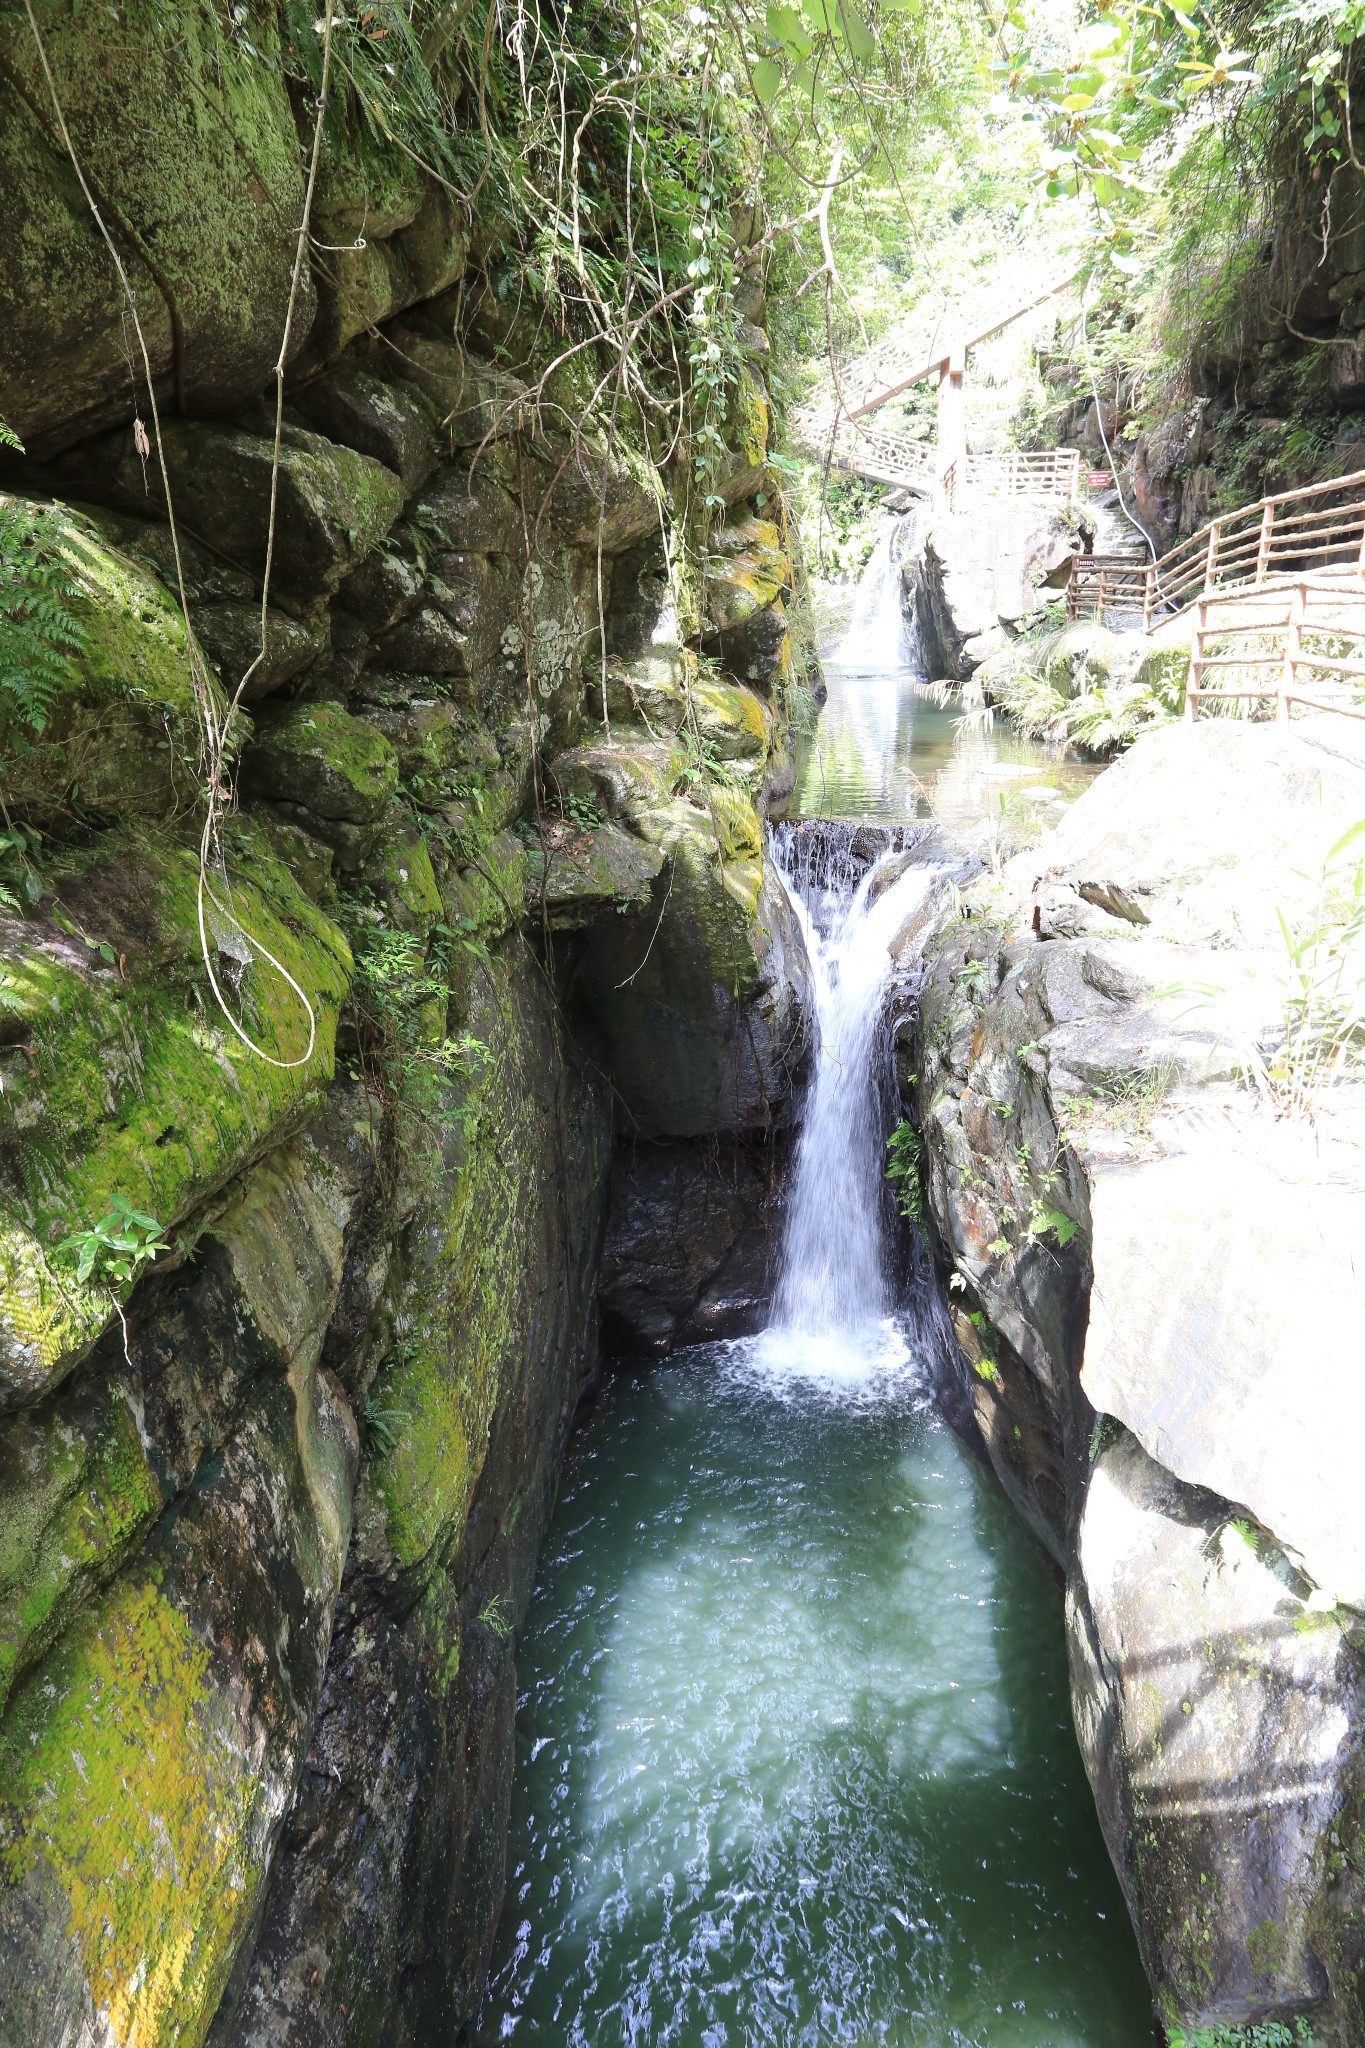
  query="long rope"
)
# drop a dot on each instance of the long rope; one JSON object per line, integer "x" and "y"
{"x": 215, "y": 731}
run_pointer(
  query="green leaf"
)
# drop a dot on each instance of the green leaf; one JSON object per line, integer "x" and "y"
{"x": 785, "y": 26}
{"x": 767, "y": 78}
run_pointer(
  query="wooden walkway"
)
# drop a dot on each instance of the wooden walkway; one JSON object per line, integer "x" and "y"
{"x": 1277, "y": 591}
{"x": 834, "y": 426}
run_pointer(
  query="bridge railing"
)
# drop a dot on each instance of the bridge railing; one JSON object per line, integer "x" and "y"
{"x": 1309, "y": 634}
{"x": 886, "y": 458}
{"x": 1290, "y": 534}
{"x": 1011, "y": 473}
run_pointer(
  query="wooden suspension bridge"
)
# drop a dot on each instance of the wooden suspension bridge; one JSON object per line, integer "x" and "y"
{"x": 836, "y": 426}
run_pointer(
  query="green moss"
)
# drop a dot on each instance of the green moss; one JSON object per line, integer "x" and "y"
{"x": 125, "y": 735}
{"x": 736, "y": 719}
{"x": 134, "y": 1082}
{"x": 320, "y": 756}
{"x": 73, "y": 1505}
{"x": 749, "y": 568}
{"x": 459, "y": 1314}
{"x": 140, "y": 1807}
{"x": 750, "y": 420}
{"x": 195, "y": 133}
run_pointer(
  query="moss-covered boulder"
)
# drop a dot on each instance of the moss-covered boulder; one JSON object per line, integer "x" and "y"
{"x": 332, "y": 773}
{"x": 191, "y": 137}
{"x": 125, "y": 733}
{"x": 576, "y": 873}
{"x": 125, "y": 1076}
{"x": 748, "y": 568}
{"x": 333, "y": 504}
{"x": 705, "y": 1001}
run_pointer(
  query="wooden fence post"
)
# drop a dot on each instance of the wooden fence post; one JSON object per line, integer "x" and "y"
{"x": 1293, "y": 645}
{"x": 1196, "y": 661}
{"x": 1211, "y": 553}
{"x": 1148, "y": 592}
{"x": 1263, "y": 547}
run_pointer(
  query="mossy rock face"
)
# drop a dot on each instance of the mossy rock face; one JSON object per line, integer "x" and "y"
{"x": 319, "y": 756}
{"x": 334, "y": 504}
{"x": 387, "y": 1888}
{"x": 651, "y": 691}
{"x": 736, "y": 721}
{"x": 576, "y": 874}
{"x": 129, "y": 1878}
{"x": 85, "y": 1473}
{"x": 748, "y": 569}
{"x": 392, "y": 422}
{"x": 742, "y": 470}
{"x": 194, "y": 136}
{"x": 124, "y": 735}
{"x": 705, "y": 1001}
{"x": 124, "y": 1077}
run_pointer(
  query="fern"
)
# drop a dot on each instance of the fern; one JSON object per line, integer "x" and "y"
{"x": 39, "y": 636}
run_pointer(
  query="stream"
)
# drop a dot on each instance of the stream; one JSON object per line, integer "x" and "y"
{"x": 884, "y": 748}
{"x": 795, "y": 1756}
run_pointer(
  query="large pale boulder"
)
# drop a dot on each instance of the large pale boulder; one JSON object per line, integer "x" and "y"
{"x": 978, "y": 571}
{"x": 1157, "y": 1308}
{"x": 1220, "y": 1706}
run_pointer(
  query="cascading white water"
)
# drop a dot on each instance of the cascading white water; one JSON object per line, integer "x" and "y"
{"x": 833, "y": 1301}
{"x": 879, "y": 634}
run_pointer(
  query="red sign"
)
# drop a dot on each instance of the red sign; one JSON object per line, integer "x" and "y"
{"x": 1099, "y": 479}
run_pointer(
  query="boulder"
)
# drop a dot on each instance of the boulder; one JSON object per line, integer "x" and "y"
{"x": 124, "y": 734}
{"x": 1219, "y": 1299}
{"x": 575, "y": 873}
{"x": 706, "y": 1002}
{"x": 337, "y": 771}
{"x": 389, "y": 420}
{"x": 333, "y": 503}
{"x": 1218, "y": 1701}
{"x": 115, "y": 1057}
{"x": 971, "y": 578}
{"x": 197, "y": 222}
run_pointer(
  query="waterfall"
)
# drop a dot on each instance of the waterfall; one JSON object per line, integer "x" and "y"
{"x": 833, "y": 1296}
{"x": 879, "y": 635}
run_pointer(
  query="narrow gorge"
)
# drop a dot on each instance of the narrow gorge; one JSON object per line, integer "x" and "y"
{"x": 679, "y": 1155}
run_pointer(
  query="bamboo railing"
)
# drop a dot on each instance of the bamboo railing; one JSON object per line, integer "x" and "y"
{"x": 1310, "y": 635}
{"x": 1295, "y": 533}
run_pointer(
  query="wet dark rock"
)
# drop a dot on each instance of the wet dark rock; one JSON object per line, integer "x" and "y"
{"x": 691, "y": 1247}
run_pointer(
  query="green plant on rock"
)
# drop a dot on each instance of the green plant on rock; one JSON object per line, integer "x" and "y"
{"x": 1261, "y": 2034}
{"x": 40, "y": 636}
{"x": 384, "y": 1425}
{"x": 905, "y": 1161}
{"x": 112, "y": 1252}
{"x": 21, "y": 881}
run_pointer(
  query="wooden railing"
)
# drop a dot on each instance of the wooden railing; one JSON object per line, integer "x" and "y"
{"x": 1309, "y": 633}
{"x": 1055, "y": 473}
{"x": 1292, "y": 534}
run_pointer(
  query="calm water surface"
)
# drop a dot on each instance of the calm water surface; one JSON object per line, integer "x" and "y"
{"x": 796, "y": 1758}
{"x": 882, "y": 749}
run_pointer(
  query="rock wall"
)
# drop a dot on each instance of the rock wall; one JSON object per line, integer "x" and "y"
{"x": 1151, "y": 1284}
{"x": 491, "y": 901}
